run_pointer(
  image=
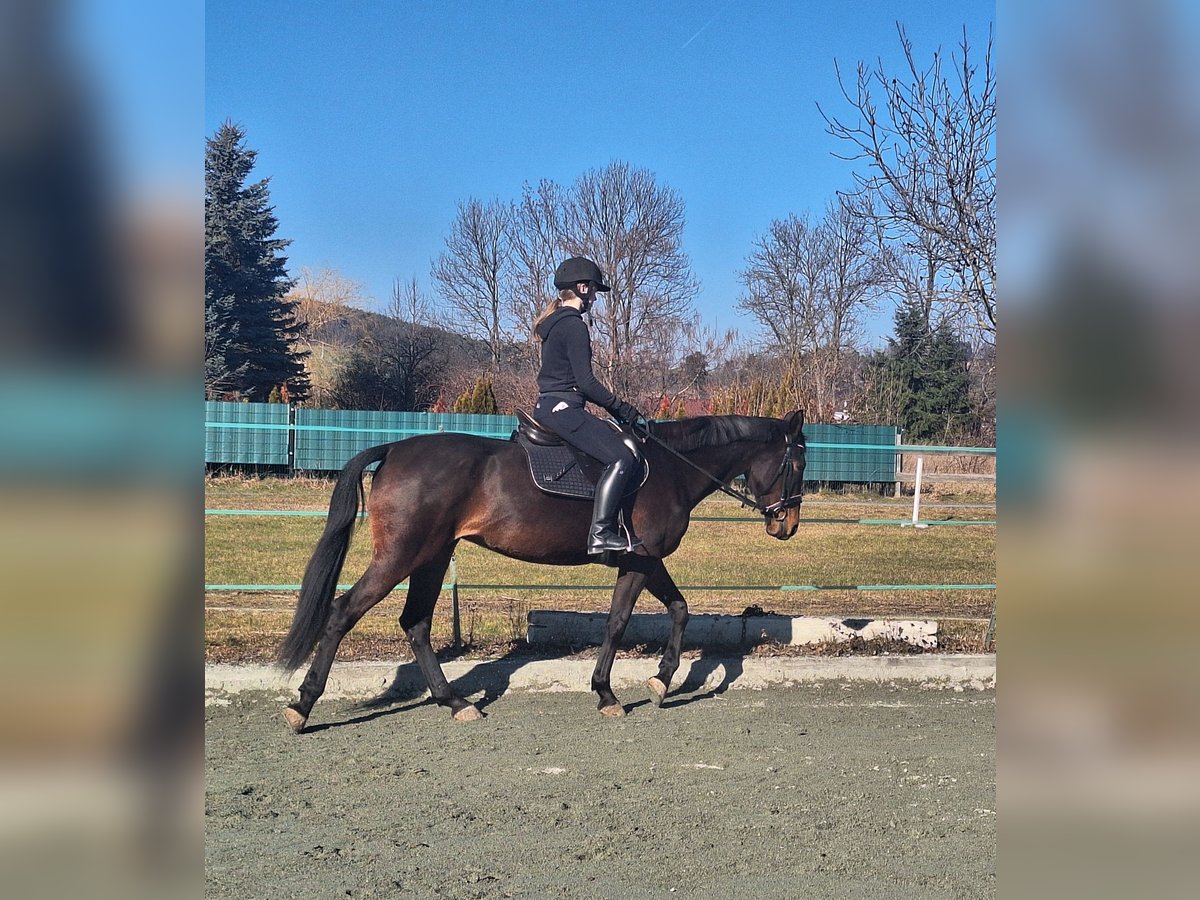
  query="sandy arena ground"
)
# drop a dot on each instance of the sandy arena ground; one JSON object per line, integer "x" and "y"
{"x": 828, "y": 789}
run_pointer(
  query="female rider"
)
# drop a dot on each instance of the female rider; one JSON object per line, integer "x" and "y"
{"x": 566, "y": 381}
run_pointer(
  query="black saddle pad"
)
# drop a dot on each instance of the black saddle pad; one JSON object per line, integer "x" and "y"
{"x": 560, "y": 470}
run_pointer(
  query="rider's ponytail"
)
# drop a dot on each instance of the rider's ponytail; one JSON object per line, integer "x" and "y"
{"x": 551, "y": 308}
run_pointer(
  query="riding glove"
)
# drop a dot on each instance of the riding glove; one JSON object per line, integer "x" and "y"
{"x": 626, "y": 413}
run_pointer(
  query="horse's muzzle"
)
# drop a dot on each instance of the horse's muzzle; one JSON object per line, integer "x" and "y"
{"x": 783, "y": 528}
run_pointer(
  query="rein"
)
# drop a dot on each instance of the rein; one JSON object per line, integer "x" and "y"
{"x": 772, "y": 510}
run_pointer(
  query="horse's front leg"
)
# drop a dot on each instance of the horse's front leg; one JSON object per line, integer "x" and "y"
{"x": 625, "y": 594}
{"x": 662, "y": 585}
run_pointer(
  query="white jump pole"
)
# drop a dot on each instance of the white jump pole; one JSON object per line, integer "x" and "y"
{"x": 917, "y": 493}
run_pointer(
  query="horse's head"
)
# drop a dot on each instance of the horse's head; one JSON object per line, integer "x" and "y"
{"x": 776, "y": 478}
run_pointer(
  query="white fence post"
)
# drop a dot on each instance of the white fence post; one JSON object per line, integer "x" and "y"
{"x": 917, "y": 494}
{"x": 899, "y": 464}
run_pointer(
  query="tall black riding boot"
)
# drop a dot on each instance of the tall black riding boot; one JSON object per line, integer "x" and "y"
{"x": 605, "y": 533}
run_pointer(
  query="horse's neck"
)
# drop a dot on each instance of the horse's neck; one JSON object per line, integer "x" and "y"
{"x": 724, "y": 462}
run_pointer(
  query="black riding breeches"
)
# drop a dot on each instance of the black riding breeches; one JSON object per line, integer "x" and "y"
{"x": 565, "y": 416}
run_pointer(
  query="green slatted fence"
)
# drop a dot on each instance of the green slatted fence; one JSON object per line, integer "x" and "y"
{"x": 326, "y": 438}
{"x": 322, "y": 440}
{"x": 249, "y": 434}
{"x": 853, "y": 464}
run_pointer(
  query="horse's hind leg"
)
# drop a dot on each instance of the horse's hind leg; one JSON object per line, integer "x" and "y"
{"x": 424, "y": 586}
{"x": 375, "y": 584}
{"x": 662, "y": 585}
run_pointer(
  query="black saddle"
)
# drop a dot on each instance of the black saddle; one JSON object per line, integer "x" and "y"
{"x": 558, "y": 468}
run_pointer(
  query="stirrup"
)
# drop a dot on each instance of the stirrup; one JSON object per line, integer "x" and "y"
{"x": 611, "y": 544}
{"x": 620, "y": 540}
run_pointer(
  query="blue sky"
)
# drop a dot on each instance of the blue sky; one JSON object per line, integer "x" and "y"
{"x": 374, "y": 119}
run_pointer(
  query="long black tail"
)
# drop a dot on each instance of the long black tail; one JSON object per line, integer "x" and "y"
{"x": 321, "y": 576}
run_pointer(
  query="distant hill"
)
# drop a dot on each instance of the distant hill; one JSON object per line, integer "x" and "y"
{"x": 345, "y": 327}
{"x": 365, "y": 359}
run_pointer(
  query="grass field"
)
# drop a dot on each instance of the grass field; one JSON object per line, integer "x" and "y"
{"x": 246, "y": 625}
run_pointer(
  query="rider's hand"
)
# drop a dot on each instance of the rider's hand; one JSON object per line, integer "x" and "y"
{"x": 626, "y": 413}
{"x": 631, "y": 417}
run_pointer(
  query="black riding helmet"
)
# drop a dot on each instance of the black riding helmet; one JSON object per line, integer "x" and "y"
{"x": 577, "y": 269}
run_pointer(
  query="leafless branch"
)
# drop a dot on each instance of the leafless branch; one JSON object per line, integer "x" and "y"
{"x": 929, "y": 142}
{"x": 471, "y": 275}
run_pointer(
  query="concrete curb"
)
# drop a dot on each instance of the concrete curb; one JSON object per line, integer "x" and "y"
{"x": 577, "y": 629}
{"x": 400, "y": 681}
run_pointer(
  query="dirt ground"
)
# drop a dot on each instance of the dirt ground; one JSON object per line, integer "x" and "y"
{"x": 822, "y": 790}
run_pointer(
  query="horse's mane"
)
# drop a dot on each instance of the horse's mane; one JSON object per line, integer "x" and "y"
{"x": 717, "y": 431}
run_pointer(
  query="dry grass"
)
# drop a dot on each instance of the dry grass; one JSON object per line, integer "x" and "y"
{"x": 952, "y": 463}
{"x": 268, "y": 492}
{"x": 243, "y": 626}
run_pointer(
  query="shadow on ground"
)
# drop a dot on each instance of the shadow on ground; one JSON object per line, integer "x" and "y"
{"x": 492, "y": 678}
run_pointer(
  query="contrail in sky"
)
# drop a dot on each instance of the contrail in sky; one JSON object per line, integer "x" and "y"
{"x": 706, "y": 24}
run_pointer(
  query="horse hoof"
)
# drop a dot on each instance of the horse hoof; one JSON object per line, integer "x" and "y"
{"x": 613, "y": 711}
{"x": 294, "y": 719}
{"x": 658, "y": 691}
{"x": 468, "y": 714}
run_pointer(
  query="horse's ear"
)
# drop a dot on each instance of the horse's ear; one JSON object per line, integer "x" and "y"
{"x": 794, "y": 422}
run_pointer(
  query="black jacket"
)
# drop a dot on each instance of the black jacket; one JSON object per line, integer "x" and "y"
{"x": 567, "y": 358}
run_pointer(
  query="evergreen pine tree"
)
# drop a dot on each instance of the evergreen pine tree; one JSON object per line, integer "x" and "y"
{"x": 250, "y": 328}
{"x": 922, "y": 379}
{"x": 470, "y": 400}
{"x": 488, "y": 404}
{"x": 219, "y": 331}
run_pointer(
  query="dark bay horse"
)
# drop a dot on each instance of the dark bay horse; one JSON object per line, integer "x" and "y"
{"x": 434, "y": 490}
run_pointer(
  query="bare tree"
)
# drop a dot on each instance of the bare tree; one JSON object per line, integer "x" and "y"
{"x": 633, "y": 228}
{"x": 782, "y": 279}
{"x": 929, "y": 143}
{"x": 683, "y": 356}
{"x": 472, "y": 274}
{"x": 396, "y": 363}
{"x": 411, "y": 348}
{"x": 807, "y": 284}
{"x": 537, "y": 235}
{"x": 324, "y": 301}
{"x": 496, "y": 274}
{"x": 323, "y": 296}
{"x": 785, "y": 283}
{"x": 855, "y": 271}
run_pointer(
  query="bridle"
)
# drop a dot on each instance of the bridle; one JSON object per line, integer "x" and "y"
{"x": 790, "y": 497}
